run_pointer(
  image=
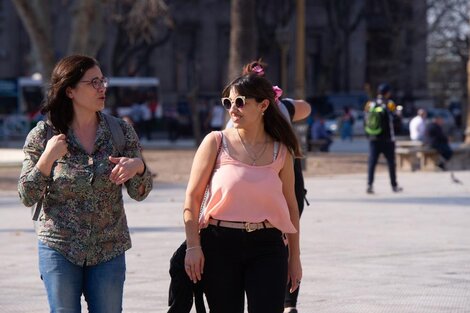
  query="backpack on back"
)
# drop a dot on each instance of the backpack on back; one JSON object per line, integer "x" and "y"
{"x": 373, "y": 124}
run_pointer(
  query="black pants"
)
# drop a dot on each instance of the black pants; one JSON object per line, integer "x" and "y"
{"x": 300, "y": 192}
{"x": 443, "y": 149}
{"x": 182, "y": 290}
{"x": 236, "y": 262}
{"x": 387, "y": 148}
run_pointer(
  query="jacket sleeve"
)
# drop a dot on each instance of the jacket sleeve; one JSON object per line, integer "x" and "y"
{"x": 32, "y": 182}
{"x": 133, "y": 149}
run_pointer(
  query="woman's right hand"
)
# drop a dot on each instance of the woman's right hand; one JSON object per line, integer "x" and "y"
{"x": 194, "y": 263}
{"x": 56, "y": 147}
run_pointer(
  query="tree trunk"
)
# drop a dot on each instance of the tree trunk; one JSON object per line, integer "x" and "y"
{"x": 87, "y": 30}
{"x": 467, "y": 107}
{"x": 36, "y": 19}
{"x": 242, "y": 36}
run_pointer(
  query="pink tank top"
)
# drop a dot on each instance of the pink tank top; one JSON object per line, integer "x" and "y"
{"x": 245, "y": 193}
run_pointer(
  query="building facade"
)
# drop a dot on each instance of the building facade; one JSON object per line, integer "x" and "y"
{"x": 350, "y": 48}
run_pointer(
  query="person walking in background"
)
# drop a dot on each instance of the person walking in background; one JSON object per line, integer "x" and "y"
{"x": 236, "y": 245}
{"x": 216, "y": 117}
{"x": 78, "y": 175}
{"x": 346, "y": 122}
{"x": 436, "y": 139}
{"x": 379, "y": 129}
{"x": 418, "y": 126}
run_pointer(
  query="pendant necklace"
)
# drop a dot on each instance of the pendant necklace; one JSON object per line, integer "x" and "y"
{"x": 256, "y": 157}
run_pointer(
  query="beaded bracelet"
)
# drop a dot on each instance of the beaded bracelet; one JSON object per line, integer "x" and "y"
{"x": 191, "y": 248}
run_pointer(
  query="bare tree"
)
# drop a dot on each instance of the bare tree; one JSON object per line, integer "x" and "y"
{"x": 142, "y": 26}
{"x": 344, "y": 16}
{"x": 467, "y": 122}
{"x": 140, "y": 23}
{"x": 243, "y": 35}
{"x": 36, "y": 19}
{"x": 449, "y": 45}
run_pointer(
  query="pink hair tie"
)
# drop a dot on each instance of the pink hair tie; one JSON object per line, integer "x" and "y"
{"x": 278, "y": 93}
{"x": 258, "y": 69}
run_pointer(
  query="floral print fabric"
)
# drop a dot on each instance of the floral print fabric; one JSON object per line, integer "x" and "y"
{"x": 83, "y": 215}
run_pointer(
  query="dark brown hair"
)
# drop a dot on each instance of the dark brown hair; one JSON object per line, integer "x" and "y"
{"x": 259, "y": 88}
{"x": 67, "y": 73}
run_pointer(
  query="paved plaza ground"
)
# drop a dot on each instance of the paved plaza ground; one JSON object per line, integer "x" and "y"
{"x": 406, "y": 253}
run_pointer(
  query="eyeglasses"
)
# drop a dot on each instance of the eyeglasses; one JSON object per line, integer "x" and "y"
{"x": 239, "y": 102}
{"x": 97, "y": 83}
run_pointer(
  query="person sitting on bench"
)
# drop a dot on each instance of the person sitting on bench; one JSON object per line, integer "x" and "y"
{"x": 436, "y": 139}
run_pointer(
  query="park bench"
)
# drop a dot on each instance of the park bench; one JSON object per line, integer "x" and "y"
{"x": 315, "y": 145}
{"x": 414, "y": 156}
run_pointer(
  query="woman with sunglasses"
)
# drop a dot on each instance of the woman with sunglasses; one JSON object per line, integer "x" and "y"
{"x": 78, "y": 173}
{"x": 293, "y": 110}
{"x": 236, "y": 244}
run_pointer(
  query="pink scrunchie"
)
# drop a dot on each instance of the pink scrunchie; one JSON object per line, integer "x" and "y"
{"x": 258, "y": 69}
{"x": 278, "y": 92}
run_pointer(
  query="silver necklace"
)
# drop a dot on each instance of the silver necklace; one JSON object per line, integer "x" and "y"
{"x": 256, "y": 156}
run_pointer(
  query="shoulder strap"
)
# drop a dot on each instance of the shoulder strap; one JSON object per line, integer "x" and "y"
{"x": 117, "y": 134}
{"x": 37, "y": 208}
{"x": 206, "y": 197}
{"x": 276, "y": 150}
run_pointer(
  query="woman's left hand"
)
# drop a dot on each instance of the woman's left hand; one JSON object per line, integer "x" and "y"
{"x": 294, "y": 272}
{"x": 125, "y": 169}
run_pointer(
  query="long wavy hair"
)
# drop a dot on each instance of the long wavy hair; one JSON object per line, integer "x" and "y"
{"x": 275, "y": 124}
{"x": 67, "y": 73}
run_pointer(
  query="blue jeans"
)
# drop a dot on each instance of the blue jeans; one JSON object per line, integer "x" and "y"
{"x": 101, "y": 284}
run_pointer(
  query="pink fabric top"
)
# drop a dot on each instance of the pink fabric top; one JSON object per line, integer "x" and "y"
{"x": 245, "y": 193}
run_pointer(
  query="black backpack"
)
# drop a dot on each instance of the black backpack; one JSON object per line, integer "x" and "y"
{"x": 299, "y": 186}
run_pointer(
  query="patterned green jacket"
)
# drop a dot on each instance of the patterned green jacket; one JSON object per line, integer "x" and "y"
{"x": 83, "y": 214}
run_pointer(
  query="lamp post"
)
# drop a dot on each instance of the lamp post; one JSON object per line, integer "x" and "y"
{"x": 283, "y": 39}
{"x": 299, "y": 90}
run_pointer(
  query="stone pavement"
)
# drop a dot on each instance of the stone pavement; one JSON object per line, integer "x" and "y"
{"x": 407, "y": 252}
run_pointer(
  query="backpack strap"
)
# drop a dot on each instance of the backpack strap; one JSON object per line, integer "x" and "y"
{"x": 119, "y": 141}
{"x": 37, "y": 208}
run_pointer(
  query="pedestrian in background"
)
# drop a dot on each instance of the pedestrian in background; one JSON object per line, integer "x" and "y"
{"x": 78, "y": 176}
{"x": 216, "y": 117}
{"x": 240, "y": 246}
{"x": 346, "y": 124}
{"x": 320, "y": 134}
{"x": 418, "y": 126}
{"x": 382, "y": 137}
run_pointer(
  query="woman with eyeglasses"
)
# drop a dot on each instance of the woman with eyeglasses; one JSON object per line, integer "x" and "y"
{"x": 236, "y": 243}
{"x": 73, "y": 166}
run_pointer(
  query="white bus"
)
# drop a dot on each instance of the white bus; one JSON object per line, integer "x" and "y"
{"x": 21, "y": 100}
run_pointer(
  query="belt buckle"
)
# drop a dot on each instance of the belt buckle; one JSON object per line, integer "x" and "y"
{"x": 248, "y": 227}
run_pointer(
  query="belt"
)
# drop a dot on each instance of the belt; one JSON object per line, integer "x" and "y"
{"x": 249, "y": 227}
